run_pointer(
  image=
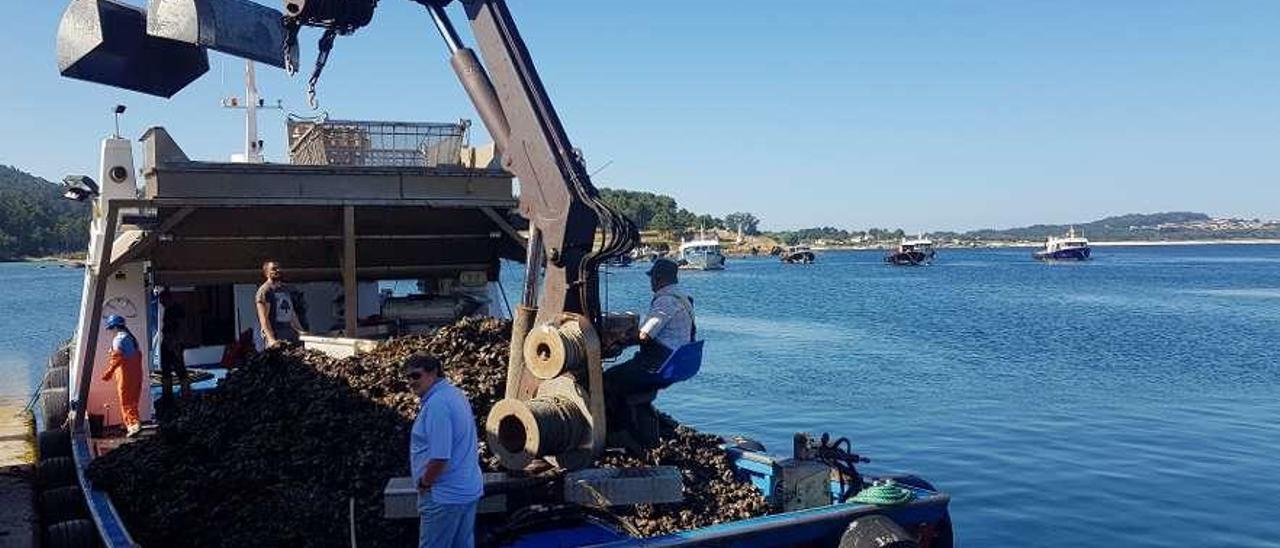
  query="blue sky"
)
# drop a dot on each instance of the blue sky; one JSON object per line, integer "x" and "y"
{"x": 920, "y": 115}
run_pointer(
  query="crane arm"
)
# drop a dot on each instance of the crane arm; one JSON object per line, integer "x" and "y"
{"x": 554, "y": 405}
{"x": 553, "y": 408}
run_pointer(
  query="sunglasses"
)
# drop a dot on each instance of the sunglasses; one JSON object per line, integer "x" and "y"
{"x": 414, "y": 376}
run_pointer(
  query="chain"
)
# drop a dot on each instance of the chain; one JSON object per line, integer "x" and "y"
{"x": 336, "y": 17}
{"x": 291, "y": 28}
{"x": 326, "y": 45}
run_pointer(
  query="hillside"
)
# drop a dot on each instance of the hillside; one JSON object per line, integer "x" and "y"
{"x": 34, "y": 219}
{"x": 1176, "y": 225}
{"x": 1135, "y": 227}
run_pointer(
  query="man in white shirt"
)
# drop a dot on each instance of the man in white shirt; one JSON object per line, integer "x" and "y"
{"x": 670, "y": 318}
{"x": 668, "y": 326}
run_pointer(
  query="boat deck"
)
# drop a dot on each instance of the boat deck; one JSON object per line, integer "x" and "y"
{"x": 216, "y": 222}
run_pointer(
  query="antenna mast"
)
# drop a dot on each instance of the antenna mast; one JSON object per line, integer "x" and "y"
{"x": 252, "y": 103}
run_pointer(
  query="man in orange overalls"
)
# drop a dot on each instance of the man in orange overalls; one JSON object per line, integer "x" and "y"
{"x": 125, "y": 362}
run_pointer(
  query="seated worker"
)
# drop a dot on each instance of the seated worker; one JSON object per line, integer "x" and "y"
{"x": 668, "y": 326}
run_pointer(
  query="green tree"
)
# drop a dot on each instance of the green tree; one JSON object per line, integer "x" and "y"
{"x": 35, "y": 220}
{"x": 642, "y": 207}
{"x": 749, "y": 223}
{"x": 685, "y": 220}
{"x": 662, "y": 220}
{"x": 708, "y": 222}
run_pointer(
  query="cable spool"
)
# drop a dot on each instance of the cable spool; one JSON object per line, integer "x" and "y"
{"x": 559, "y": 422}
{"x": 520, "y": 431}
{"x": 550, "y": 351}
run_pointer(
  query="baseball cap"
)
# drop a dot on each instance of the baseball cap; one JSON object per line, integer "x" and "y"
{"x": 663, "y": 267}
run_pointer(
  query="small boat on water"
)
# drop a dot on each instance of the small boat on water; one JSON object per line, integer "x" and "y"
{"x": 798, "y": 254}
{"x": 644, "y": 254}
{"x": 1068, "y": 248}
{"x": 912, "y": 252}
{"x": 620, "y": 261}
{"x": 701, "y": 254}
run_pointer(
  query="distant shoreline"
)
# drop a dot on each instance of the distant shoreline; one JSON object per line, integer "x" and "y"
{"x": 75, "y": 260}
{"x": 1123, "y": 243}
{"x": 1257, "y": 241}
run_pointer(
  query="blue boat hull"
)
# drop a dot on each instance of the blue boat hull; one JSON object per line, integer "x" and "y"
{"x": 1072, "y": 254}
{"x": 926, "y": 518}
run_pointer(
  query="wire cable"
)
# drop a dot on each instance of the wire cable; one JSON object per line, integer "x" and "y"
{"x": 503, "y": 291}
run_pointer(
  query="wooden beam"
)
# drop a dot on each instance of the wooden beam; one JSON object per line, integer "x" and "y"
{"x": 313, "y": 274}
{"x": 149, "y": 241}
{"x": 349, "y": 269}
{"x": 327, "y": 237}
{"x": 441, "y": 203}
{"x": 505, "y": 226}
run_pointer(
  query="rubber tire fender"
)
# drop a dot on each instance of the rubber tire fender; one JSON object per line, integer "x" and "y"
{"x": 54, "y": 443}
{"x": 876, "y": 531}
{"x": 56, "y": 377}
{"x": 62, "y": 356}
{"x": 56, "y": 472}
{"x": 63, "y": 504}
{"x": 76, "y": 533}
{"x": 54, "y": 407}
{"x": 945, "y": 532}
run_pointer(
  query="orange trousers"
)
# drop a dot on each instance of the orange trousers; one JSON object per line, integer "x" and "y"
{"x": 128, "y": 377}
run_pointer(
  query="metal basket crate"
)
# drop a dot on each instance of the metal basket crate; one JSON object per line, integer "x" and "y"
{"x": 372, "y": 143}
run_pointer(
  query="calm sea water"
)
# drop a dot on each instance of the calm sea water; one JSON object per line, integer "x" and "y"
{"x": 38, "y": 307}
{"x": 1133, "y": 400}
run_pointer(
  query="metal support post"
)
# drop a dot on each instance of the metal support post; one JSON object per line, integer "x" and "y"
{"x": 349, "y": 301}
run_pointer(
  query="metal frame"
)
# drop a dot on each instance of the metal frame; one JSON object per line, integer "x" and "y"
{"x": 566, "y": 215}
{"x": 375, "y": 143}
{"x": 89, "y": 349}
{"x": 349, "y": 271}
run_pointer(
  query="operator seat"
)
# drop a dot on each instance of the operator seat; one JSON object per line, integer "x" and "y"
{"x": 681, "y": 365}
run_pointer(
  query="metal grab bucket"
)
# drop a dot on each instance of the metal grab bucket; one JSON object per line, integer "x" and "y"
{"x": 106, "y": 42}
{"x": 237, "y": 27}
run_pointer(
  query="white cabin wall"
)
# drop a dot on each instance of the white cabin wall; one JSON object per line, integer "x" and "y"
{"x": 126, "y": 296}
{"x": 323, "y": 312}
{"x": 117, "y": 180}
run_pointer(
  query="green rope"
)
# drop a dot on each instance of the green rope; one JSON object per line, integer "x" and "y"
{"x": 884, "y": 494}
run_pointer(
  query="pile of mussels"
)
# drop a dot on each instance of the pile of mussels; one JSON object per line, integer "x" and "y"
{"x": 294, "y": 449}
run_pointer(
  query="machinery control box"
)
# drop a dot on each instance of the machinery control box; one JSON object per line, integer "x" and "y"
{"x": 802, "y": 484}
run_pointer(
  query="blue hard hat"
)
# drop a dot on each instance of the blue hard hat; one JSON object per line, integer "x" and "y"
{"x": 115, "y": 320}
